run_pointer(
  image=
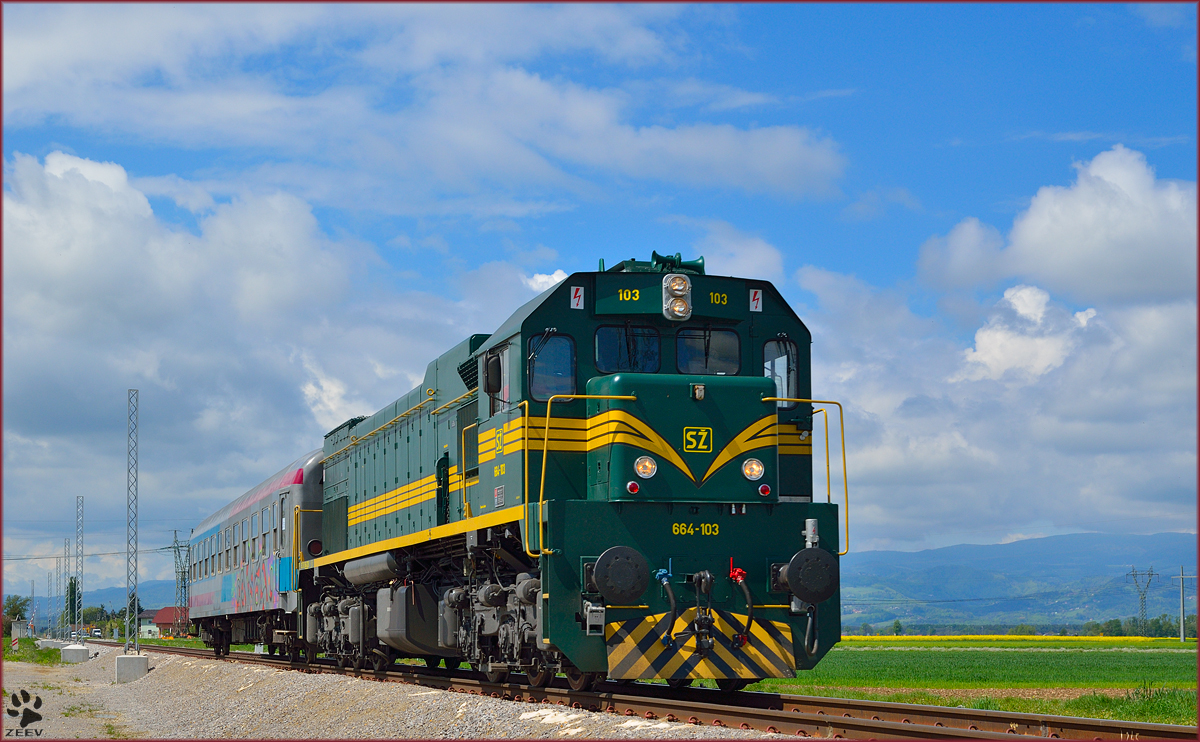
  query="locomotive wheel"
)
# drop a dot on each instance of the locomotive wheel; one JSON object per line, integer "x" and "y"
{"x": 432, "y": 661}
{"x": 452, "y": 664}
{"x": 294, "y": 655}
{"x": 678, "y": 683}
{"x": 581, "y": 681}
{"x": 343, "y": 661}
{"x": 358, "y": 663}
{"x": 270, "y": 650}
{"x": 379, "y": 664}
{"x": 497, "y": 676}
{"x": 730, "y": 685}
{"x": 541, "y": 677}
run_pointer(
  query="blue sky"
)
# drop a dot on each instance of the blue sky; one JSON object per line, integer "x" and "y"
{"x": 269, "y": 218}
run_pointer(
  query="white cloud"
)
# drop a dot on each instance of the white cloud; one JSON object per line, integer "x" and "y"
{"x": 1027, "y": 347}
{"x": 539, "y": 282}
{"x": 1161, "y": 15}
{"x": 244, "y": 337}
{"x": 473, "y": 131}
{"x": 728, "y": 251}
{"x": 1117, "y": 234}
{"x": 1054, "y": 420}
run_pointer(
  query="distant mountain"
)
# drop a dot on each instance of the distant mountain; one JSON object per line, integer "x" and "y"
{"x": 1057, "y": 579}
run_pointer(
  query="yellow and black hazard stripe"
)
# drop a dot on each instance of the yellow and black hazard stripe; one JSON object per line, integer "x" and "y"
{"x": 636, "y": 650}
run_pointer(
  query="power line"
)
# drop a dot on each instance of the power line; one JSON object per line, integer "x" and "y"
{"x": 36, "y": 557}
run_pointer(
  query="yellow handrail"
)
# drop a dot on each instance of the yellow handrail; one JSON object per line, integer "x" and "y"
{"x": 457, "y": 399}
{"x": 525, "y": 466}
{"x": 546, "y": 455}
{"x": 354, "y": 440}
{"x": 842, "y": 427}
{"x": 828, "y": 476}
{"x": 462, "y": 464}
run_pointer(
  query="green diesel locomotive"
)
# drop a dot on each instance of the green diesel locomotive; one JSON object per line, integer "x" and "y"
{"x": 616, "y": 483}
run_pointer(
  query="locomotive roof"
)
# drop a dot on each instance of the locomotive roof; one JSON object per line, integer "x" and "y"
{"x": 283, "y": 478}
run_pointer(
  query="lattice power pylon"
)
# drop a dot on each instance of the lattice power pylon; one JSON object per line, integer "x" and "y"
{"x": 79, "y": 567}
{"x": 32, "y": 610}
{"x": 182, "y": 565}
{"x": 1137, "y": 578}
{"x": 131, "y": 528}
{"x": 49, "y": 601}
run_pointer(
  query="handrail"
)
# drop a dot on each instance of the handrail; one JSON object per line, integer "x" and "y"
{"x": 842, "y": 426}
{"x": 354, "y": 440}
{"x": 525, "y": 466}
{"x": 828, "y": 476}
{"x": 457, "y": 399}
{"x": 546, "y": 454}
{"x": 462, "y": 464}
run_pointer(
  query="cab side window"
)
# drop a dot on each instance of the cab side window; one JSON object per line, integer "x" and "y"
{"x": 551, "y": 366}
{"x": 779, "y": 363}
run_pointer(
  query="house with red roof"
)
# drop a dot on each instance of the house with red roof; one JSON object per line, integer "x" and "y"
{"x": 164, "y": 619}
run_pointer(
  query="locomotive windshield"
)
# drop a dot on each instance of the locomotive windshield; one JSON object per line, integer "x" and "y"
{"x": 708, "y": 351}
{"x": 627, "y": 348}
{"x": 551, "y": 366}
{"x": 779, "y": 363}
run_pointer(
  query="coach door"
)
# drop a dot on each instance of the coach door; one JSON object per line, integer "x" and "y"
{"x": 283, "y": 547}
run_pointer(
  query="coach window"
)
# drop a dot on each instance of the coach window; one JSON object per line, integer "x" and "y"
{"x": 779, "y": 363}
{"x": 228, "y": 548}
{"x": 551, "y": 366}
{"x": 266, "y": 530}
{"x": 254, "y": 537}
{"x": 627, "y": 348}
{"x": 283, "y": 519}
{"x": 274, "y": 529}
{"x": 703, "y": 350}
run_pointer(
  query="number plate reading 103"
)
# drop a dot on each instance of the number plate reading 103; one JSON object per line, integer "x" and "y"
{"x": 694, "y": 529}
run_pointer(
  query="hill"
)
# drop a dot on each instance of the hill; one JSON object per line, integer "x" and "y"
{"x": 1057, "y": 579}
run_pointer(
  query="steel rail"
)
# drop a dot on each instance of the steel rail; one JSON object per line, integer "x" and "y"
{"x": 788, "y": 714}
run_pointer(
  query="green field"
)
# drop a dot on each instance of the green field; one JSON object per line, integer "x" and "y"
{"x": 1157, "y": 676}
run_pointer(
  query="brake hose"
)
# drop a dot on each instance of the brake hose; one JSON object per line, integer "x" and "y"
{"x": 664, "y": 577}
{"x": 810, "y": 633}
{"x": 738, "y": 575}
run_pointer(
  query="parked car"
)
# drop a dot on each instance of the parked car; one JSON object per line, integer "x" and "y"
{"x": 96, "y": 633}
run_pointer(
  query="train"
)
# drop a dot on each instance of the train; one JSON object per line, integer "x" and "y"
{"x": 619, "y": 488}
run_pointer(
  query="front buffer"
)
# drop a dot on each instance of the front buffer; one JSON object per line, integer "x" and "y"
{"x": 609, "y": 610}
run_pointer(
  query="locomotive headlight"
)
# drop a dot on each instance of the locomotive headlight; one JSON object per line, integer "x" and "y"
{"x": 645, "y": 467}
{"x": 677, "y": 285}
{"x": 753, "y": 469}
{"x": 678, "y": 308}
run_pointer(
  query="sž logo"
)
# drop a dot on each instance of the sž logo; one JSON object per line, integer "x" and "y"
{"x": 21, "y": 706}
{"x": 697, "y": 440}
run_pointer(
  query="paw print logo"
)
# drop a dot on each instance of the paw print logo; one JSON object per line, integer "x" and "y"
{"x": 20, "y": 707}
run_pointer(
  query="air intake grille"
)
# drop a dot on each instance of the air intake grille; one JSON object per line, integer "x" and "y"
{"x": 469, "y": 372}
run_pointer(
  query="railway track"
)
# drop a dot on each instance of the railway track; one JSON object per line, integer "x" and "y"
{"x": 811, "y": 716}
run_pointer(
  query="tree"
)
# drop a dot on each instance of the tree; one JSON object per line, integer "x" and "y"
{"x": 897, "y": 629}
{"x": 866, "y": 629}
{"x": 15, "y": 606}
{"x": 1112, "y": 627}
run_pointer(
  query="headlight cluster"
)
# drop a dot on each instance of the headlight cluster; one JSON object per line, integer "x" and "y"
{"x": 677, "y": 296}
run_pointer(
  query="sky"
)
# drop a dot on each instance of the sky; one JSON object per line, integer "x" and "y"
{"x": 270, "y": 218}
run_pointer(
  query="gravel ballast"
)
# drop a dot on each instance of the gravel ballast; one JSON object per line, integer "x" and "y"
{"x": 193, "y": 698}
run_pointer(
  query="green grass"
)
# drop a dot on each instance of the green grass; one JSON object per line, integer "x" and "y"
{"x": 27, "y": 651}
{"x": 1145, "y": 703}
{"x": 934, "y": 668}
{"x": 1032, "y": 642}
